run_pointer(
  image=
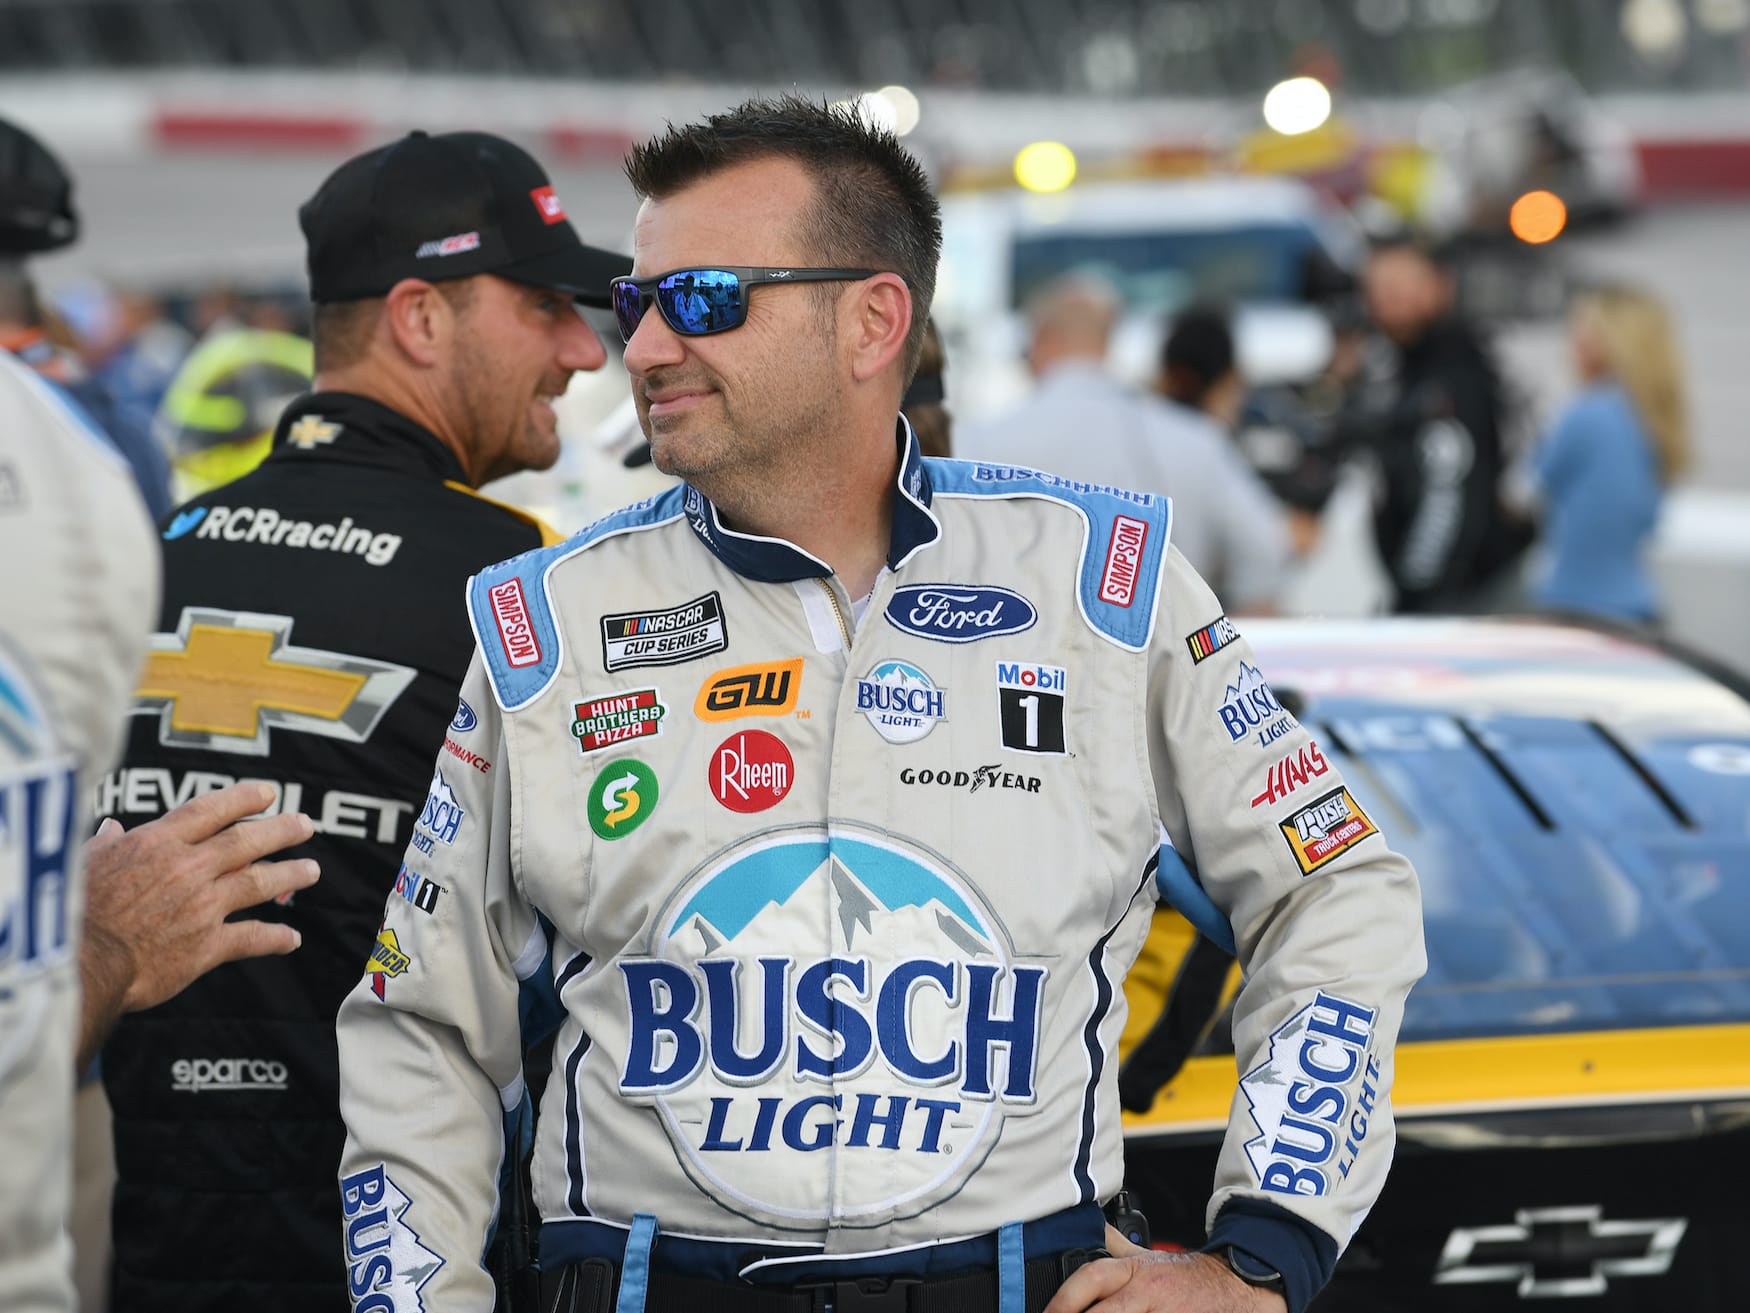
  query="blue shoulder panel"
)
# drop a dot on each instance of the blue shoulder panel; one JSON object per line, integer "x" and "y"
{"x": 513, "y": 616}
{"x": 1179, "y": 888}
{"x": 1125, "y": 547}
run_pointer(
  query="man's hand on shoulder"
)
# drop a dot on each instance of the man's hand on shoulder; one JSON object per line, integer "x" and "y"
{"x": 1137, "y": 1280}
{"x": 158, "y": 898}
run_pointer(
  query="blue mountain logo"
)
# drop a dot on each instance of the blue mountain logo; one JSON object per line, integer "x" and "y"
{"x": 184, "y": 523}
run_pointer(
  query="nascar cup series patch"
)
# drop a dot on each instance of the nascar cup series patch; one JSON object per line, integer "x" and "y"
{"x": 664, "y": 638}
{"x": 1324, "y": 829}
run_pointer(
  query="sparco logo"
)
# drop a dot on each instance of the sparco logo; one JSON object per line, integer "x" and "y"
{"x": 521, "y": 647}
{"x": 959, "y": 615}
{"x": 1123, "y": 560}
{"x": 226, "y": 1075}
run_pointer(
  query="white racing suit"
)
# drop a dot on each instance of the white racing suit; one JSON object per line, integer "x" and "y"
{"x": 837, "y": 913}
{"x": 80, "y": 592}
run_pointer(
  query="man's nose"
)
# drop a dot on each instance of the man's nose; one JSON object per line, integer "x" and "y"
{"x": 581, "y": 347}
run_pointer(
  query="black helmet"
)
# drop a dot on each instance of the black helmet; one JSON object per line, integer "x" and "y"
{"x": 36, "y": 196}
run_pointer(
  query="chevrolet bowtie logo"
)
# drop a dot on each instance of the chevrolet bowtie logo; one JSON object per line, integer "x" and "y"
{"x": 225, "y": 679}
{"x": 311, "y": 432}
{"x": 1560, "y": 1252}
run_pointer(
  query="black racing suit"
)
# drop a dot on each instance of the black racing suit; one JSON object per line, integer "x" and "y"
{"x": 1439, "y": 524}
{"x": 313, "y": 634}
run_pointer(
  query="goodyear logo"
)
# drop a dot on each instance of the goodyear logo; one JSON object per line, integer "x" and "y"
{"x": 769, "y": 688}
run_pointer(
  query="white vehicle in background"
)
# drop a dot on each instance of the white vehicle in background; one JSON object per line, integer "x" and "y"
{"x": 1265, "y": 247}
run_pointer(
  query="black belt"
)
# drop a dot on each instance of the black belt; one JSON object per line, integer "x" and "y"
{"x": 593, "y": 1285}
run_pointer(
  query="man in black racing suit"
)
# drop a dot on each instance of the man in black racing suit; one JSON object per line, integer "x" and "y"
{"x": 313, "y": 635}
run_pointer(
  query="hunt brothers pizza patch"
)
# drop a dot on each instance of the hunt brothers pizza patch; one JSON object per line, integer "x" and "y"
{"x": 1322, "y": 830}
{"x": 605, "y": 721}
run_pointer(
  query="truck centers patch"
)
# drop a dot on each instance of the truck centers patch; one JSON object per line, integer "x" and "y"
{"x": 1322, "y": 830}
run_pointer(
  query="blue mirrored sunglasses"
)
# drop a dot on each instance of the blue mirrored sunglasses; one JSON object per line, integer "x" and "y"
{"x": 698, "y": 302}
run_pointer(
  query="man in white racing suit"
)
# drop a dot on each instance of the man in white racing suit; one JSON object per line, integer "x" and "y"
{"x": 828, "y": 796}
{"x": 81, "y": 590}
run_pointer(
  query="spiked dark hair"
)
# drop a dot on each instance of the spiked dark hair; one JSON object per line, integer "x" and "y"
{"x": 873, "y": 207}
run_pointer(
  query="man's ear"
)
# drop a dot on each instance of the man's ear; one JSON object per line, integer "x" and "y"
{"x": 877, "y": 336}
{"x": 419, "y": 321}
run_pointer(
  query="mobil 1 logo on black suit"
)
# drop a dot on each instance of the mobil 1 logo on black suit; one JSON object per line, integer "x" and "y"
{"x": 1030, "y": 706}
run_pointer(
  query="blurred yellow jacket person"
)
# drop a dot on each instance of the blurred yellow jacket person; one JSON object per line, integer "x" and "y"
{"x": 217, "y": 418}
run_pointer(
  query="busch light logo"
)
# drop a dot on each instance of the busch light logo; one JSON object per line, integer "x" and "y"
{"x": 441, "y": 816}
{"x": 1313, "y": 1096}
{"x": 37, "y": 854}
{"x": 900, "y": 1044}
{"x": 901, "y": 701}
{"x": 386, "y": 1264}
{"x": 950, "y": 614}
{"x": 1250, "y": 706}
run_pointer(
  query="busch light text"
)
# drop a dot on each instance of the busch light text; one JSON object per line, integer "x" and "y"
{"x": 935, "y": 1026}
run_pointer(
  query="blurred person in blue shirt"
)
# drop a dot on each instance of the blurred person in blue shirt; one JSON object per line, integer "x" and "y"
{"x": 1600, "y": 473}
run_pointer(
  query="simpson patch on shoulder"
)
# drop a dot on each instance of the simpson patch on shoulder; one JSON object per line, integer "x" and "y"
{"x": 512, "y": 614}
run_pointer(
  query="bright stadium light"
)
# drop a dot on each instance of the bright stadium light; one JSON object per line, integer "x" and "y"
{"x": 905, "y": 108}
{"x": 1655, "y": 28}
{"x": 1045, "y": 166}
{"x": 1297, "y": 105}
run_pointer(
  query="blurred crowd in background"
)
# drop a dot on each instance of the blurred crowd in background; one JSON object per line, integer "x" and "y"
{"x": 1461, "y": 476}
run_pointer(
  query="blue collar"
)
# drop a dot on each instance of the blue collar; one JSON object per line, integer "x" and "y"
{"x": 777, "y": 561}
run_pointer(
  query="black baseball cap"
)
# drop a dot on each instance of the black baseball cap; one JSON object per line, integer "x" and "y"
{"x": 442, "y": 207}
{"x": 36, "y": 196}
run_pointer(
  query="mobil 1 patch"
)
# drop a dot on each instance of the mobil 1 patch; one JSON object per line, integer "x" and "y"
{"x": 664, "y": 638}
{"x": 1030, "y": 706}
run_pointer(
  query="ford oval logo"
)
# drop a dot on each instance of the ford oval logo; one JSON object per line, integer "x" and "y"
{"x": 949, "y": 613}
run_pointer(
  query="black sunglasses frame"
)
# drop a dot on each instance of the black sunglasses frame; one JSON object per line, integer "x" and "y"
{"x": 747, "y": 275}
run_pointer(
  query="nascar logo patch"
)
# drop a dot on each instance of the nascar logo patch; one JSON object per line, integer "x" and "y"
{"x": 1210, "y": 639}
